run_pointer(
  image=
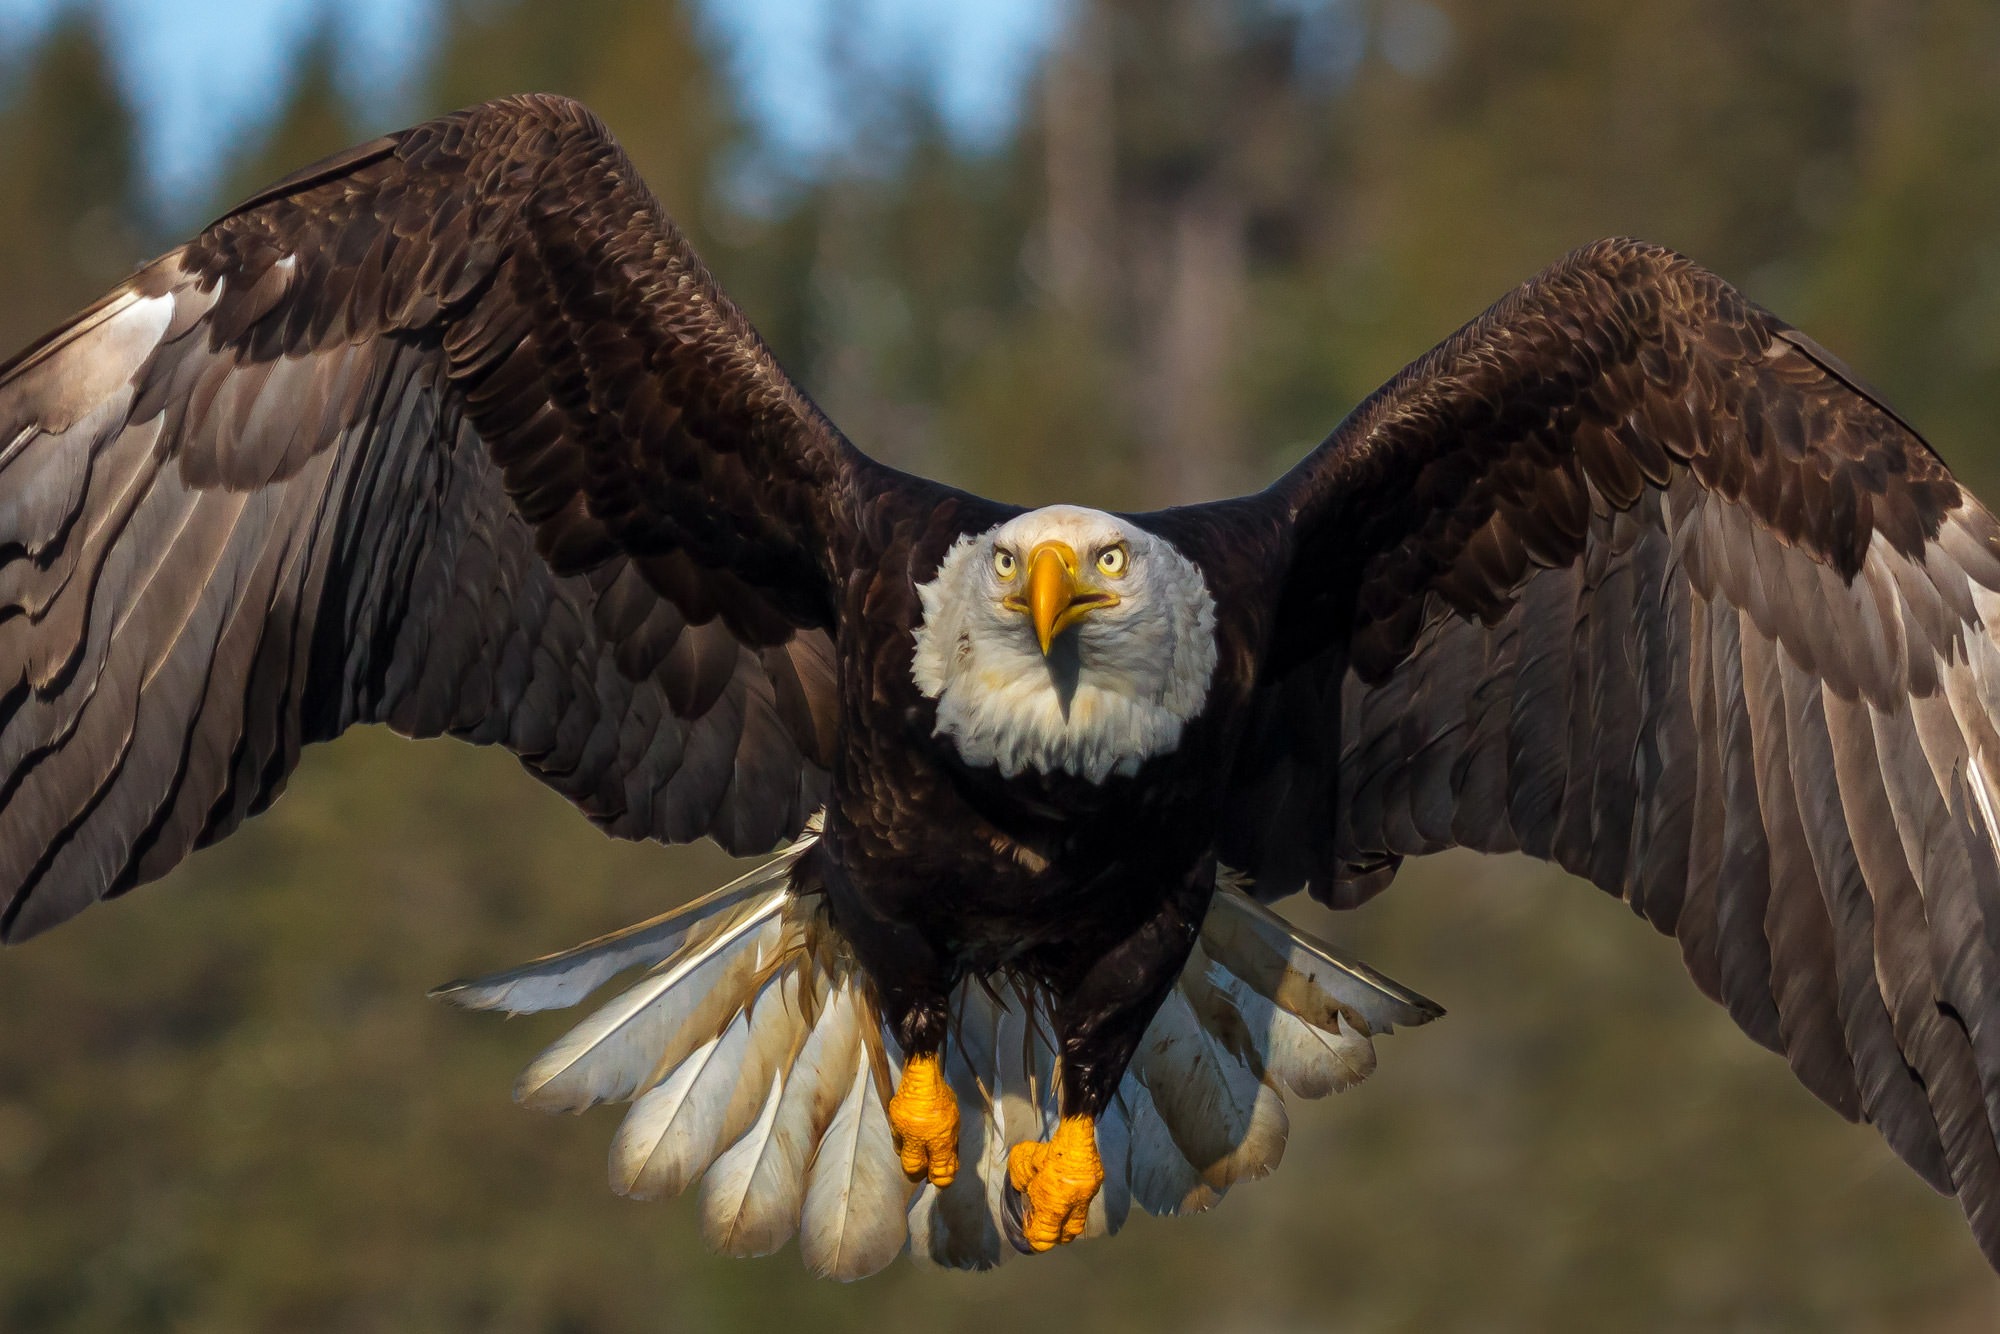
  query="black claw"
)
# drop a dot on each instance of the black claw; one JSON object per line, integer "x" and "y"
{"x": 1013, "y": 1217}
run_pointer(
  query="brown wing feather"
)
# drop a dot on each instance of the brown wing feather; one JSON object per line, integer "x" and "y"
{"x": 1630, "y": 576}
{"x": 452, "y": 431}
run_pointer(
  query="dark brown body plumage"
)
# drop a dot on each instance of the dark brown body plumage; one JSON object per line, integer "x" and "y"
{"x": 1096, "y": 891}
{"x": 453, "y": 432}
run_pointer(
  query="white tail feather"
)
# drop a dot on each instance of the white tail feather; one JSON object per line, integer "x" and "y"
{"x": 1113, "y": 1204}
{"x": 754, "y": 1057}
{"x": 1310, "y": 1062}
{"x": 558, "y": 981}
{"x": 856, "y": 1193}
{"x": 1306, "y": 976}
{"x": 738, "y": 1216}
{"x": 956, "y": 1227}
{"x": 774, "y": 1192}
{"x": 653, "y": 1026}
{"x": 1162, "y": 1181}
{"x": 960, "y": 1227}
{"x": 673, "y": 1133}
{"x": 1224, "y": 1119}
{"x": 671, "y": 1130}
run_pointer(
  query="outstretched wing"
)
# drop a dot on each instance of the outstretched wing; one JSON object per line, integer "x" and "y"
{"x": 1630, "y": 576}
{"x": 454, "y": 432}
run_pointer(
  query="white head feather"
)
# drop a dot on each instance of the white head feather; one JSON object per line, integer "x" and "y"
{"x": 1117, "y": 687}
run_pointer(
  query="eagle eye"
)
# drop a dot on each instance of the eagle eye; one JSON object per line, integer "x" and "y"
{"x": 1113, "y": 560}
{"x": 1004, "y": 563}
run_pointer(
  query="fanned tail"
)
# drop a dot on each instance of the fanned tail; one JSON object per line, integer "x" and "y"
{"x": 758, "y": 1066}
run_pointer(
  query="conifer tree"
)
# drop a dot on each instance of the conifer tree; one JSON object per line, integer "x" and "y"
{"x": 313, "y": 121}
{"x": 71, "y": 212}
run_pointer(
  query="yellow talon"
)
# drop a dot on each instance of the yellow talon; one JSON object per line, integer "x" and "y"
{"x": 923, "y": 1116}
{"x": 1058, "y": 1179}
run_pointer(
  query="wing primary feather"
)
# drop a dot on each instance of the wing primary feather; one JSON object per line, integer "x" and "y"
{"x": 1795, "y": 920}
{"x": 1891, "y": 1098}
{"x": 1742, "y": 886}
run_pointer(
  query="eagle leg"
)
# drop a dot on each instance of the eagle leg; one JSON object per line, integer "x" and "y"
{"x": 913, "y": 981}
{"x": 1103, "y": 1004}
{"x": 923, "y": 1117}
{"x": 1057, "y": 1180}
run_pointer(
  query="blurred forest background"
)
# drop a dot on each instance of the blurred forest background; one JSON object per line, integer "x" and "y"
{"x": 225, "y": 1104}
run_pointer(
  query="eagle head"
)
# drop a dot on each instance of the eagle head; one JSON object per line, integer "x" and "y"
{"x": 1065, "y": 640}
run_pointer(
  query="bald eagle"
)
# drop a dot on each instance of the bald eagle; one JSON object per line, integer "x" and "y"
{"x": 453, "y": 432}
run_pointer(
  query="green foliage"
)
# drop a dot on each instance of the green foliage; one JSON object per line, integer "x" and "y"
{"x": 641, "y": 64}
{"x": 225, "y": 1104}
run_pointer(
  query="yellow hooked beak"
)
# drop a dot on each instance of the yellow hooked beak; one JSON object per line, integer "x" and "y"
{"x": 1054, "y": 601}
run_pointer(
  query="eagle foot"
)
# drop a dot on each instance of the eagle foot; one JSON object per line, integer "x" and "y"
{"x": 923, "y": 1117}
{"x": 1057, "y": 1180}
